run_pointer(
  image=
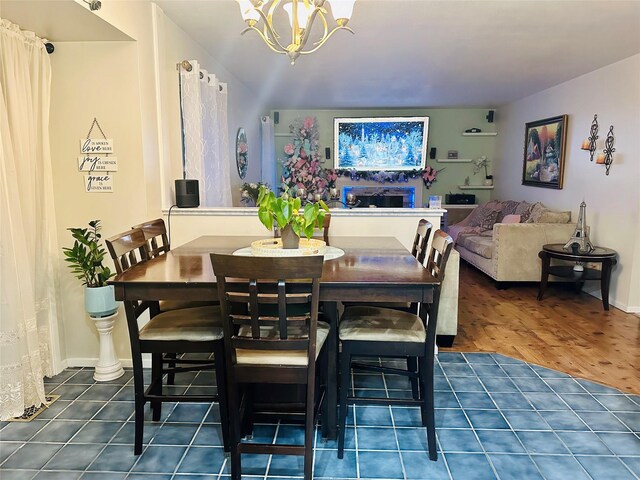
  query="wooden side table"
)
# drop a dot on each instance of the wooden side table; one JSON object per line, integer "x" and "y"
{"x": 605, "y": 256}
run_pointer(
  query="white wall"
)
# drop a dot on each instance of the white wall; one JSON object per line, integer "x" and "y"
{"x": 244, "y": 109}
{"x": 613, "y": 202}
{"x": 131, "y": 88}
{"x": 94, "y": 79}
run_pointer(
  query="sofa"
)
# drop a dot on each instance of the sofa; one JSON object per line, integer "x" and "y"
{"x": 503, "y": 238}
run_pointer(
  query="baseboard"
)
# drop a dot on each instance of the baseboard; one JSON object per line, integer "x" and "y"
{"x": 91, "y": 362}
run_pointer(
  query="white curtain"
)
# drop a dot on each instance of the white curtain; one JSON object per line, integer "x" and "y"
{"x": 206, "y": 135}
{"x": 269, "y": 153}
{"x": 28, "y": 247}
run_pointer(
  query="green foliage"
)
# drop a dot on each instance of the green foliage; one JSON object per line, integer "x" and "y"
{"x": 286, "y": 210}
{"x": 86, "y": 256}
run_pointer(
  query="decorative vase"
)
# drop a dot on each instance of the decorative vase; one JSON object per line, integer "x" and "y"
{"x": 100, "y": 301}
{"x": 488, "y": 181}
{"x": 289, "y": 238}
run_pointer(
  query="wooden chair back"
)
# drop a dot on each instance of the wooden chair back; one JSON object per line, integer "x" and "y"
{"x": 257, "y": 292}
{"x": 128, "y": 248}
{"x": 325, "y": 227}
{"x": 421, "y": 240}
{"x": 440, "y": 249}
{"x": 155, "y": 233}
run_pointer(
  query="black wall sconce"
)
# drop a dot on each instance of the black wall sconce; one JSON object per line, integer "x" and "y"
{"x": 590, "y": 143}
{"x": 606, "y": 157}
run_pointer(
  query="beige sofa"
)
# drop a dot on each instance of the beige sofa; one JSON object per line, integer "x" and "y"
{"x": 508, "y": 252}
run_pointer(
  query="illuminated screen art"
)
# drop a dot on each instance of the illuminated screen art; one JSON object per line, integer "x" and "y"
{"x": 382, "y": 143}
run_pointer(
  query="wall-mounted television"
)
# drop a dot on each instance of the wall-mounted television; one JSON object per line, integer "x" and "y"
{"x": 380, "y": 143}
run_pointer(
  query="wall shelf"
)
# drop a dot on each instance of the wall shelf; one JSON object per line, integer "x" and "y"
{"x": 454, "y": 160}
{"x": 480, "y": 134}
{"x": 475, "y": 187}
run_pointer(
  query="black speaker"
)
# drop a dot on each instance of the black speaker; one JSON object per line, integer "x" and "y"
{"x": 432, "y": 153}
{"x": 327, "y": 153}
{"x": 187, "y": 194}
{"x": 276, "y": 117}
{"x": 489, "y": 116}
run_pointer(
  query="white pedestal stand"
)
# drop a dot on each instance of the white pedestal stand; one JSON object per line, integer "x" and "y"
{"x": 108, "y": 366}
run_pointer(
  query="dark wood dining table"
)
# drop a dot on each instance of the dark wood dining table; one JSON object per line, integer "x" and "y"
{"x": 372, "y": 269}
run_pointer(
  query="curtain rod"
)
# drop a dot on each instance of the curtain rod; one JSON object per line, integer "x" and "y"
{"x": 186, "y": 64}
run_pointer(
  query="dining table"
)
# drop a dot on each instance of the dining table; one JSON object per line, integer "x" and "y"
{"x": 372, "y": 269}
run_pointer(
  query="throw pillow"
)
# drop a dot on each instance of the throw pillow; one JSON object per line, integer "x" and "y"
{"x": 524, "y": 210}
{"x": 508, "y": 208}
{"x": 483, "y": 216}
{"x": 537, "y": 209}
{"x": 511, "y": 219}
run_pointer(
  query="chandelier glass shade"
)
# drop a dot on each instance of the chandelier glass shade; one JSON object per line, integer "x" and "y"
{"x": 302, "y": 14}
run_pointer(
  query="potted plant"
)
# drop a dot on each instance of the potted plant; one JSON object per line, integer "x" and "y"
{"x": 85, "y": 261}
{"x": 478, "y": 164}
{"x": 286, "y": 212}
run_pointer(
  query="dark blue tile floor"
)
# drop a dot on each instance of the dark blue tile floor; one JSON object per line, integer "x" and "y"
{"x": 497, "y": 418}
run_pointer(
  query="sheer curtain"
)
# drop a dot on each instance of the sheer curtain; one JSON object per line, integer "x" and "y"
{"x": 269, "y": 153}
{"x": 206, "y": 134}
{"x": 28, "y": 249}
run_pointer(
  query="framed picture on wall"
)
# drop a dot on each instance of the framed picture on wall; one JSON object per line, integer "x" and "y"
{"x": 544, "y": 145}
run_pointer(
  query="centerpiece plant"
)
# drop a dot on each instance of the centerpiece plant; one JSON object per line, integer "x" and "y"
{"x": 289, "y": 215}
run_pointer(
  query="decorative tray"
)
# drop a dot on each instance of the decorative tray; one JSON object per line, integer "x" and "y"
{"x": 272, "y": 247}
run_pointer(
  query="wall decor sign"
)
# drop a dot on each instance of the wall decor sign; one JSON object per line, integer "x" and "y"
{"x": 96, "y": 163}
{"x": 98, "y": 183}
{"x": 96, "y": 145}
{"x": 544, "y": 152}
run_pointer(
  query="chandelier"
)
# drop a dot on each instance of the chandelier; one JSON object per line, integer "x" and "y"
{"x": 302, "y": 14}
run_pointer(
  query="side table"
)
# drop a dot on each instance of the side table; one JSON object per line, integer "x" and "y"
{"x": 605, "y": 256}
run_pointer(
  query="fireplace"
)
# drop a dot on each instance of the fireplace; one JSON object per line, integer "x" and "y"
{"x": 383, "y": 197}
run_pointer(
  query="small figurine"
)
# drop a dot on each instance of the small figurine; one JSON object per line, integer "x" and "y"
{"x": 466, "y": 181}
{"x": 580, "y": 238}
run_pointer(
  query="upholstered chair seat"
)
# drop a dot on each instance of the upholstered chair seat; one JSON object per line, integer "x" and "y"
{"x": 377, "y": 324}
{"x": 282, "y": 357}
{"x": 201, "y": 324}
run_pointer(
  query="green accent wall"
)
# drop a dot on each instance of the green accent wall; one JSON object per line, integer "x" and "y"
{"x": 445, "y": 133}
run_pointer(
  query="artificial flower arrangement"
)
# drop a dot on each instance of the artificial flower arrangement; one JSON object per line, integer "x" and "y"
{"x": 428, "y": 175}
{"x": 286, "y": 211}
{"x": 302, "y": 168}
{"x": 249, "y": 192}
{"x": 479, "y": 163}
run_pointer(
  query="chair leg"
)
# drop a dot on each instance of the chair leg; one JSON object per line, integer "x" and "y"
{"x": 139, "y": 401}
{"x": 412, "y": 366}
{"x": 246, "y": 425}
{"x": 171, "y": 376}
{"x": 223, "y": 402}
{"x": 325, "y": 403}
{"x": 156, "y": 379}
{"x": 345, "y": 377}
{"x": 309, "y": 429}
{"x": 427, "y": 405}
{"x": 234, "y": 429}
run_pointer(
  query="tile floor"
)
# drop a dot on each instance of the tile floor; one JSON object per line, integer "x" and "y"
{"x": 497, "y": 418}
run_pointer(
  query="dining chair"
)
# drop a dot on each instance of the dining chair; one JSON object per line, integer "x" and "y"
{"x": 419, "y": 250}
{"x": 373, "y": 331}
{"x": 155, "y": 233}
{"x": 189, "y": 330}
{"x": 279, "y": 347}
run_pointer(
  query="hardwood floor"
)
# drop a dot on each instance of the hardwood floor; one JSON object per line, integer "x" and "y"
{"x": 567, "y": 331}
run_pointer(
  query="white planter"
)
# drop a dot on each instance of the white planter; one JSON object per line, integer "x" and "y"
{"x": 100, "y": 301}
{"x": 108, "y": 366}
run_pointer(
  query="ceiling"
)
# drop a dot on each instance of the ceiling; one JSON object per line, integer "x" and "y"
{"x": 59, "y": 20}
{"x": 405, "y": 53}
{"x": 413, "y": 53}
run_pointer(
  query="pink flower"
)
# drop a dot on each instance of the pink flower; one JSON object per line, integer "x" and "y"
{"x": 242, "y": 147}
{"x": 308, "y": 123}
{"x": 288, "y": 149}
